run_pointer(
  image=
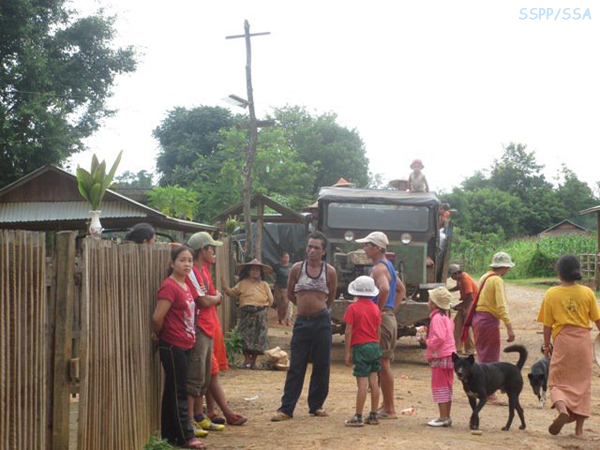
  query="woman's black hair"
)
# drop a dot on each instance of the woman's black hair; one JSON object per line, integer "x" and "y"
{"x": 245, "y": 272}
{"x": 175, "y": 252}
{"x": 568, "y": 268}
{"x": 140, "y": 232}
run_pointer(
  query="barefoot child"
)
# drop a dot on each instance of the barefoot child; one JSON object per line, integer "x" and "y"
{"x": 363, "y": 320}
{"x": 440, "y": 346}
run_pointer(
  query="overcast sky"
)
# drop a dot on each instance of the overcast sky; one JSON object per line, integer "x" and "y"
{"x": 445, "y": 81}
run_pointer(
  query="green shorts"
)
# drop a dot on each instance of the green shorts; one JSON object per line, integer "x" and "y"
{"x": 366, "y": 359}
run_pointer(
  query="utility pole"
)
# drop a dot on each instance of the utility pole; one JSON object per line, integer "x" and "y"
{"x": 252, "y": 141}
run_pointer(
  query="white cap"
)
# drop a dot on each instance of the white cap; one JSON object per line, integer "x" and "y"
{"x": 501, "y": 259}
{"x": 376, "y": 238}
{"x": 363, "y": 286}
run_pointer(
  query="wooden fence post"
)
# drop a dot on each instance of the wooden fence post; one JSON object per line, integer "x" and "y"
{"x": 63, "y": 335}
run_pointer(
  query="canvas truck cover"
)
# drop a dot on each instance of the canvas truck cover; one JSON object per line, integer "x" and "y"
{"x": 332, "y": 194}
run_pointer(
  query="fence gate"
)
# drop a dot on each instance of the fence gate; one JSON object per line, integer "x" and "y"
{"x": 590, "y": 269}
{"x": 24, "y": 399}
{"x": 120, "y": 386}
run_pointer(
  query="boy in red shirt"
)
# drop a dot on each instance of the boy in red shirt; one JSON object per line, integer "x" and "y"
{"x": 363, "y": 320}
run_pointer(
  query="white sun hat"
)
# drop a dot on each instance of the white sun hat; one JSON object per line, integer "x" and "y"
{"x": 363, "y": 286}
{"x": 502, "y": 259}
{"x": 376, "y": 238}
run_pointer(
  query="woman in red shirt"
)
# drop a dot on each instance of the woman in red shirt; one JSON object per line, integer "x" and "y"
{"x": 173, "y": 325}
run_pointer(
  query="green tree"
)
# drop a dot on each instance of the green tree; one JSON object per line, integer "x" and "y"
{"x": 336, "y": 150}
{"x": 56, "y": 72}
{"x": 278, "y": 172}
{"x": 189, "y": 141}
{"x": 175, "y": 201}
{"x": 486, "y": 211}
{"x": 128, "y": 179}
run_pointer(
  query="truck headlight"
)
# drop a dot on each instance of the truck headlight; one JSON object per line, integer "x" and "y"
{"x": 406, "y": 238}
{"x": 349, "y": 236}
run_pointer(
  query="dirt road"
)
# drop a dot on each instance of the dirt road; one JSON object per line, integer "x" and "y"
{"x": 257, "y": 394}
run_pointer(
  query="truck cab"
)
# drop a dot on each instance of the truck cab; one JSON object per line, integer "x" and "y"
{"x": 418, "y": 249}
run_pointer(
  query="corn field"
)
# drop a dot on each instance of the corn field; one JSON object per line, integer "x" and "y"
{"x": 533, "y": 256}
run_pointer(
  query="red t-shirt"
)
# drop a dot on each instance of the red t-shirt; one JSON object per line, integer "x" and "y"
{"x": 365, "y": 317}
{"x": 178, "y": 325}
{"x": 205, "y": 317}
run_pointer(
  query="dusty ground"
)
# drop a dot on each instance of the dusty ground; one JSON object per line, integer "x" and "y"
{"x": 257, "y": 394}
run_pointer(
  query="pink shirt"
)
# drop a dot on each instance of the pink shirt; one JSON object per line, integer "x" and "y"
{"x": 440, "y": 340}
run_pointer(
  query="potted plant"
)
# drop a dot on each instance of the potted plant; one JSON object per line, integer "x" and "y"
{"x": 92, "y": 186}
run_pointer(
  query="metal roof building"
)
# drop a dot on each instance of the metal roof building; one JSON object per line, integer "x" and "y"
{"x": 48, "y": 199}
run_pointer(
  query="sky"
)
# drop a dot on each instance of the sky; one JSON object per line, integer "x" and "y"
{"x": 449, "y": 82}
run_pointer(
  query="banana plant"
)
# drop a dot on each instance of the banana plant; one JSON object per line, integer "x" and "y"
{"x": 92, "y": 185}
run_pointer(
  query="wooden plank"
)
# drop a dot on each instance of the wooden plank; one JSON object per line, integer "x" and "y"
{"x": 65, "y": 286}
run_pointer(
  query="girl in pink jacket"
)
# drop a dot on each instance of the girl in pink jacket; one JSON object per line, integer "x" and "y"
{"x": 440, "y": 346}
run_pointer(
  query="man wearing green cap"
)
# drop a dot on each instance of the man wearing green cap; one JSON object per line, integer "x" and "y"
{"x": 200, "y": 359}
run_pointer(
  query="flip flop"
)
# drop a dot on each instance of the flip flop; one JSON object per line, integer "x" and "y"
{"x": 236, "y": 419}
{"x": 319, "y": 413}
{"x": 195, "y": 443}
{"x": 381, "y": 414}
{"x": 558, "y": 423}
{"x": 214, "y": 418}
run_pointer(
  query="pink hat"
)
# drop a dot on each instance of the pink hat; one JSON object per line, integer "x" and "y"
{"x": 415, "y": 162}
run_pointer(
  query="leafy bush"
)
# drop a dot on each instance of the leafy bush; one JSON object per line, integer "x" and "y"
{"x": 234, "y": 345}
{"x": 157, "y": 443}
{"x": 533, "y": 256}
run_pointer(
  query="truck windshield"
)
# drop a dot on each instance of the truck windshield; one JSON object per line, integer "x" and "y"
{"x": 370, "y": 216}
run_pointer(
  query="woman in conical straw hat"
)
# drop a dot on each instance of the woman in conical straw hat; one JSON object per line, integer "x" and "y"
{"x": 254, "y": 299}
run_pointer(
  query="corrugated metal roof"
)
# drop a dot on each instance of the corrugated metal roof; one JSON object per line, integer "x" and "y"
{"x": 49, "y": 211}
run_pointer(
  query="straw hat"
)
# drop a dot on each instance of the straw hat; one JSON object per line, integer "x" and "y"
{"x": 255, "y": 262}
{"x": 342, "y": 183}
{"x": 363, "y": 286}
{"x": 399, "y": 184}
{"x": 441, "y": 297}
{"x": 501, "y": 259}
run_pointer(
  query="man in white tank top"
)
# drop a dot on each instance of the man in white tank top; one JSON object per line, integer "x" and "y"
{"x": 311, "y": 287}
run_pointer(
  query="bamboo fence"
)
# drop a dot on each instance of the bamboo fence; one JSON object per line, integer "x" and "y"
{"x": 24, "y": 401}
{"x": 590, "y": 269}
{"x": 121, "y": 386}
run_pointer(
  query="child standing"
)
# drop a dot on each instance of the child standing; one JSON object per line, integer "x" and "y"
{"x": 416, "y": 180}
{"x": 440, "y": 346}
{"x": 363, "y": 320}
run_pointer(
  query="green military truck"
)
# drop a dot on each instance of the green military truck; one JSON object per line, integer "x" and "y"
{"x": 419, "y": 246}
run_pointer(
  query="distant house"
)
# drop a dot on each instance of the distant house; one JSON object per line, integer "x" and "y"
{"x": 564, "y": 228}
{"x": 48, "y": 199}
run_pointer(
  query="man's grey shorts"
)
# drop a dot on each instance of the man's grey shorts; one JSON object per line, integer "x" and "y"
{"x": 199, "y": 368}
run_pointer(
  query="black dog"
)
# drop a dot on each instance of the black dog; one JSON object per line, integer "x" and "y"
{"x": 482, "y": 380}
{"x": 538, "y": 378}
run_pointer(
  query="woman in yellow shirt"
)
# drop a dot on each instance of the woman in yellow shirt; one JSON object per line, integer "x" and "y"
{"x": 255, "y": 298}
{"x": 566, "y": 313}
{"x": 490, "y": 309}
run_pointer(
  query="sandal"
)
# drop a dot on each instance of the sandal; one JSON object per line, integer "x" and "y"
{"x": 195, "y": 443}
{"x": 319, "y": 413}
{"x": 214, "y": 418}
{"x": 280, "y": 416}
{"x": 558, "y": 423}
{"x": 236, "y": 419}
{"x": 356, "y": 421}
